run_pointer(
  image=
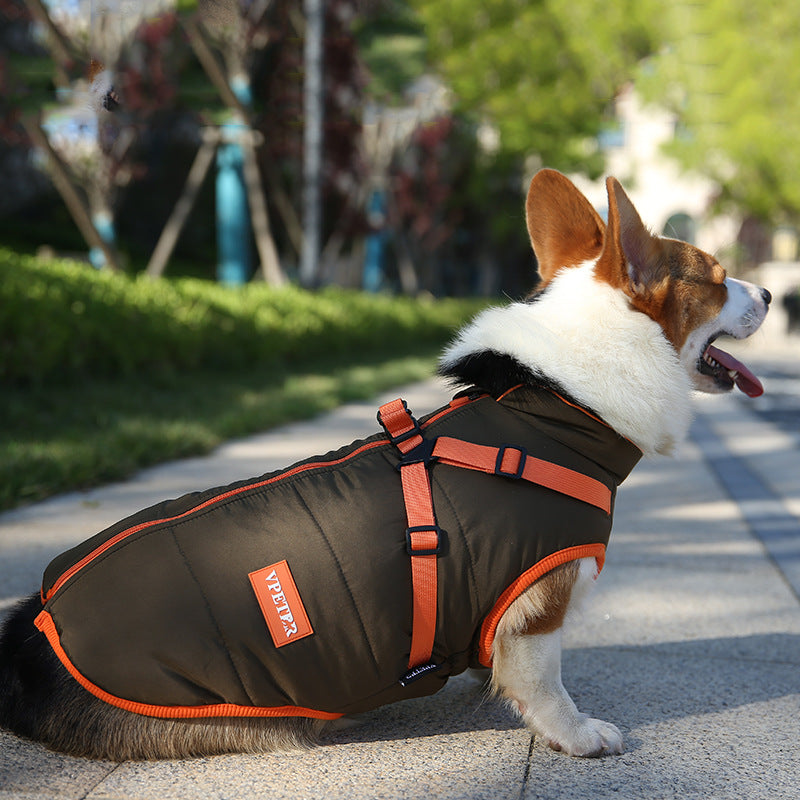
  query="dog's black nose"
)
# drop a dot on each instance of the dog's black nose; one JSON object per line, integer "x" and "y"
{"x": 767, "y": 296}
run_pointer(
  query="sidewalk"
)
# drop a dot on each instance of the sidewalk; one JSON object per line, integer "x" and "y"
{"x": 691, "y": 646}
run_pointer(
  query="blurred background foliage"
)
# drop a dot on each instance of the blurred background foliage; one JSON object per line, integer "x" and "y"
{"x": 543, "y": 72}
{"x": 730, "y": 70}
{"x": 436, "y": 114}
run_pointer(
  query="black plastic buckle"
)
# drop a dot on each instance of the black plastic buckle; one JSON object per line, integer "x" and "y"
{"x": 498, "y": 468}
{"x": 421, "y": 454}
{"x": 402, "y": 437}
{"x": 434, "y": 551}
{"x": 415, "y": 431}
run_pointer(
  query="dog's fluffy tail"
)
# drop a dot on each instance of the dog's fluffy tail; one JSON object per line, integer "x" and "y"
{"x": 40, "y": 700}
{"x": 26, "y": 670}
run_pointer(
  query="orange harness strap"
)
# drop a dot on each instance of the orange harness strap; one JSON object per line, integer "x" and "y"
{"x": 423, "y": 545}
{"x": 514, "y": 462}
{"x": 423, "y": 535}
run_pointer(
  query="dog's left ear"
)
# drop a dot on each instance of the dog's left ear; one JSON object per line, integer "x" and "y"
{"x": 631, "y": 259}
{"x": 564, "y": 228}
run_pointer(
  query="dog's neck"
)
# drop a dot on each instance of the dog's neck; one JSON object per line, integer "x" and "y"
{"x": 582, "y": 335}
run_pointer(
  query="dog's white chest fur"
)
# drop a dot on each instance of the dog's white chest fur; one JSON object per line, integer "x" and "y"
{"x": 583, "y": 334}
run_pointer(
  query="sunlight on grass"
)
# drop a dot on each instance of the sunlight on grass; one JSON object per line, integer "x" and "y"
{"x": 104, "y": 431}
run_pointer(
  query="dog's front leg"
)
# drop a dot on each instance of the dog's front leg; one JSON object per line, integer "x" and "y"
{"x": 527, "y": 664}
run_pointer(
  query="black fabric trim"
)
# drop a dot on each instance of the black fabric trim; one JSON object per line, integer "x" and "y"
{"x": 496, "y": 373}
{"x": 489, "y": 370}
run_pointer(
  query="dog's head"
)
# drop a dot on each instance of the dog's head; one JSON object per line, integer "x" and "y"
{"x": 682, "y": 288}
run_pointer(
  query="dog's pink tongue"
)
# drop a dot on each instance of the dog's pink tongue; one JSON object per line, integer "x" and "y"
{"x": 744, "y": 379}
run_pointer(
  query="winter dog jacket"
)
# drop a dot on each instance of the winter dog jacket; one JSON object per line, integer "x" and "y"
{"x": 299, "y": 592}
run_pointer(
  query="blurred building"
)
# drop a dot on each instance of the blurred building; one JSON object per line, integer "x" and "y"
{"x": 678, "y": 204}
{"x": 670, "y": 201}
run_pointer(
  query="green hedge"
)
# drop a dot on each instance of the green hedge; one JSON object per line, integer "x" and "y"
{"x": 61, "y": 322}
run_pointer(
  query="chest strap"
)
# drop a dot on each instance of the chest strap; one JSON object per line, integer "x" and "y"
{"x": 423, "y": 535}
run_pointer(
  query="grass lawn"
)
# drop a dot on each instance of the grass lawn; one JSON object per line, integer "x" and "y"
{"x": 54, "y": 440}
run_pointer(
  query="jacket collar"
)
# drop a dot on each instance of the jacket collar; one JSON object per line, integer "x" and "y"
{"x": 574, "y": 427}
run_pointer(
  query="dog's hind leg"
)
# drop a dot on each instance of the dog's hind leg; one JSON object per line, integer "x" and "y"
{"x": 527, "y": 664}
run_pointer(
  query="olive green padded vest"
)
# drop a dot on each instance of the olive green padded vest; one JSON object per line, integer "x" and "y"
{"x": 159, "y": 614}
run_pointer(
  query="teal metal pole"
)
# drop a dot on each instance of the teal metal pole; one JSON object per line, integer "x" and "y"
{"x": 233, "y": 219}
{"x": 104, "y": 224}
{"x": 234, "y": 251}
{"x": 375, "y": 244}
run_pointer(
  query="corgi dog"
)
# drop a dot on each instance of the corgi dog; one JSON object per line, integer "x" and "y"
{"x": 620, "y": 328}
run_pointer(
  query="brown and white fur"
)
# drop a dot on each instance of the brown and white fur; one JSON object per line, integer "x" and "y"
{"x": 622, "y": 323}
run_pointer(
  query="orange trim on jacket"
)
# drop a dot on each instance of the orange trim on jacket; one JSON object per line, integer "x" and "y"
{"x": 95, "y": 621}
{"x": 44, "y": 622}
{"x": 114, "y": 540}
{"x": 525, "y": 581}
{"x": 456, "y": 403}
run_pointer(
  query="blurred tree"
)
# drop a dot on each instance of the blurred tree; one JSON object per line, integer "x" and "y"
{"x": 167, "y": 95}
{"x": 424, "y": 177}
{"x": 542, "y": 72}
{"x": 391, "y": 43}
{"x": 732, "y": 75}
{"x": 457, "y": 214}
{"x": 25, "y": 71}
{"x": 278, "y": 88}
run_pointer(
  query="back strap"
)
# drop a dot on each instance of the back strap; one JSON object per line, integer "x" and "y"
{"x": 423, "y": 535}
{"x": 514, "y": 462}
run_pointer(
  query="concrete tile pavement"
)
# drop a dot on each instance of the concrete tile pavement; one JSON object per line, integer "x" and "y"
{"x": 691, "y": 646}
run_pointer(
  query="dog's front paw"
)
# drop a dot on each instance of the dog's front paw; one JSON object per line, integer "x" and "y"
{"x": 589, "y": 739}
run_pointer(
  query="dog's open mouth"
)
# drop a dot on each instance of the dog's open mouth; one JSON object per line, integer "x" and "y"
{"x": 727, "y": 371}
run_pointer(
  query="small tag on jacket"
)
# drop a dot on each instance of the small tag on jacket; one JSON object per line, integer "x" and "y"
{"x": 280, "y": 603}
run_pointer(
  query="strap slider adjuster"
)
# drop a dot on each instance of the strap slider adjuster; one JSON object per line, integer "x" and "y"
{"x": 426, "y": 551}
{"x": 501, "y": 454}
{"x": 402, "y": 437}
{"x": 421, "y": 454}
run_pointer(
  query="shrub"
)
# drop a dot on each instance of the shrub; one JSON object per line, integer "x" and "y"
{"x": 61, "y": 322}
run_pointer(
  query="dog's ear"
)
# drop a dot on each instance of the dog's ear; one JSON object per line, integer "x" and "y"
{"x": 564, "y": 228}
{"x": 632, "y": 257}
